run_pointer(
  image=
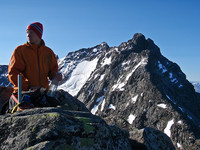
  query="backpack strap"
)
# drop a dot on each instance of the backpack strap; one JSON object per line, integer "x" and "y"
{"x": 16, "y": 108}
{"x": 14, "y": 103}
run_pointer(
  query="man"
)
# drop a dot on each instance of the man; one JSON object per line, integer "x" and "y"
{"x": 34, "y": 61}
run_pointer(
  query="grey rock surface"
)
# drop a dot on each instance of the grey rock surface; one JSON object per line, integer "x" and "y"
{"x": 53, "y": 128}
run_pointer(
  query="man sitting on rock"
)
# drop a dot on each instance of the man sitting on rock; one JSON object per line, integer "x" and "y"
{"x": 34, "y": 61}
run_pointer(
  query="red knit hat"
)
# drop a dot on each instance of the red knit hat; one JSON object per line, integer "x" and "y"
{"x": 37, "y": 28}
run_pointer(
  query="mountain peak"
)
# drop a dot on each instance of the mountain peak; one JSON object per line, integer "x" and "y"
{"x": 104, "y": 44}
{"x": 139, "y": 39}
{"x": 134, "y": 85}
{"x": 139, "y": 43}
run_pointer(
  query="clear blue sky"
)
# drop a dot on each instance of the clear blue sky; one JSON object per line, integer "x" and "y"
{"x": 69, "y": 25}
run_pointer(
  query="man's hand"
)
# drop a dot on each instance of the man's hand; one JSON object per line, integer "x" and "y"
{"x": 34, "y": 88}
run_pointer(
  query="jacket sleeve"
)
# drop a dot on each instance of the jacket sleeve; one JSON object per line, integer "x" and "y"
{"x": 53, "y": 67}
{"x": 17, "y": 66}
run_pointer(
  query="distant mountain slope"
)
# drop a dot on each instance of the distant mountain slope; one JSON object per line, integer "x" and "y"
{"x": 196, "y": 85}
{"x": 4, "y": 76}
{"x": 134, "y": 85}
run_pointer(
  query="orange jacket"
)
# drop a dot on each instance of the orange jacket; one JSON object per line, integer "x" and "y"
{"x": 35, "y": 64}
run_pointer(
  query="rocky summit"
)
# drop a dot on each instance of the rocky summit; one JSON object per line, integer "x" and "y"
{"x": 135, "y": 86}
{"x": 52, "y": 128}
{"x": 71, "y": 126}
{"x": 59, "y": 128}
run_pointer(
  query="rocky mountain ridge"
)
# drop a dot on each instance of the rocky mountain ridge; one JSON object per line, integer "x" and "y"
{"x": 134, "y": 85}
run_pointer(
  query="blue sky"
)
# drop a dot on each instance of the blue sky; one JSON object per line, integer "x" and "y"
{"x": 70, "y": 25}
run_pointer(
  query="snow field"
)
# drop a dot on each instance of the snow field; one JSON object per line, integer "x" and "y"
{"x": 79, "y": 77}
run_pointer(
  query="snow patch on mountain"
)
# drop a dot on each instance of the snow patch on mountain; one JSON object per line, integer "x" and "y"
{"x": 168, "y": 127}
{"x": 95, "y": 108}
{"x": 134, "y": 99}
{"x": 162, "y": 105}
{"x": 162, "y": 67}
{"x": 103, "y": 104}
{"x": 131, "y": 118}
{"x": 196, "y": 85}
{"x": 67, "y": 66}
{"x": 179, "y": 145}
{"x": 79, "y": 76}
{"x": 106, "y": 61}
{"x": 180, "y": 122}
{"x": 174, "y": 80}
{"x": 111, "y": 106}
{"x": 102, "y": 77}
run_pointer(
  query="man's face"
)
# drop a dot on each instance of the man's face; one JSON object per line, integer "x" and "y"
{"x": 32, "y": 37}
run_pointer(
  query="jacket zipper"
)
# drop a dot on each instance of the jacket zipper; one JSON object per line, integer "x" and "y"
{"x": 38, "y": 66}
